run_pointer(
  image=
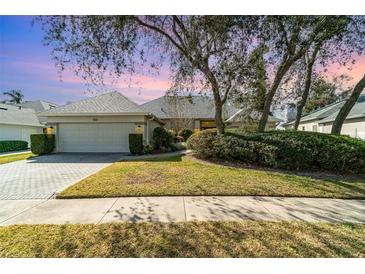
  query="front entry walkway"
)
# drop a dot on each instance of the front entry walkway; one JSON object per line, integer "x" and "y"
{"x": 175, "y": 209}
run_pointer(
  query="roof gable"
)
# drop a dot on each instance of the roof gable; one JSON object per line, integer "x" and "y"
{"x": 112, "y": 102}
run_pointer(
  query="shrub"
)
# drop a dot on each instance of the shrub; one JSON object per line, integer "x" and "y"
{"x": 136, "y": 143}
{"x": 162, "y": 138}
{"x": 13, "y": 145}
{"x": 178, "y": 146}
{"x": 185, "y": 133}
{"x": 312, "y": 150}
{"x": 42, "y": 143}
{"x": 148, "y": 149}
{"x": 208, "y": 144}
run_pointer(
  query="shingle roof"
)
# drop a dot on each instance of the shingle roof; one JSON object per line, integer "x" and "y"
{"x": 38, "y": 105}
{"x": 358, "y": 111}
{"x": 12, "y": 115}
{"x": 112, "y": 102}
{"x": 320, "y": 113}
{"x": 241, "y": 115}
{"x": 186, "y": 107}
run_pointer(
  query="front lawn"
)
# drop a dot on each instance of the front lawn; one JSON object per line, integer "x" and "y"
{"x": 189, "y": 239}
{"x": 17, "y": 157}
{"x": 185, "y": 176}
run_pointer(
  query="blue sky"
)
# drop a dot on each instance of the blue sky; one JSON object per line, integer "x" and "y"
{"x": 26, "y": 64}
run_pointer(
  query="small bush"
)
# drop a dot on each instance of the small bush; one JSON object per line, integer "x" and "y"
{"x": 178, "y": 146}
{"x": 136, "y": 143}
{"x": 13, "y": 145}
{"x": 208, "y": 144}
{"x": 148, "y": 149}
{"x": 162, "y": 138}
{"x": 185, "y": 133}
{"x": 42, "y": 143}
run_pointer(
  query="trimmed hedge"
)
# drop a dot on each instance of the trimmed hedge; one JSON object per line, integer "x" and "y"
{"x": 162, "y": 138}
{"x": 207, "y": 144}
{"x": 136, "y": 143}
{"x": 42, "y": 143}
{"x": 285, "y": 149}
{"x": 13, "y": 145}
{"x": 185, "y": 133}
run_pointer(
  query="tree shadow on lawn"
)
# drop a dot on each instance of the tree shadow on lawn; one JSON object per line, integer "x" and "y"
{"x": 199, "y": 239}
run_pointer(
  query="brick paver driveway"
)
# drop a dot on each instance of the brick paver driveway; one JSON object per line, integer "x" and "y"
{"x": 41, "y": 177}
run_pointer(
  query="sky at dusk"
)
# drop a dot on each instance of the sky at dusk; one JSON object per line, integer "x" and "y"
{"x": 26, "y": 64}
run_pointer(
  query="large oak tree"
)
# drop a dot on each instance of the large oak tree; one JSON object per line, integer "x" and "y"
{"x": 209, "y": 49}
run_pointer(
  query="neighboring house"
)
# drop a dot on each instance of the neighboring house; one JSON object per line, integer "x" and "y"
{"x": 38, "y": 106}
{"x": 99, "y": 124}
{"x": 17, "y": 123}
{"x": 321, "y": 119}
{"x": 197, "y": 112}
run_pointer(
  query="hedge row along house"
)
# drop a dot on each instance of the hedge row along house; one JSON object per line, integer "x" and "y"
{"x": 103, "y": 123}
{"x": 321, "y": 120}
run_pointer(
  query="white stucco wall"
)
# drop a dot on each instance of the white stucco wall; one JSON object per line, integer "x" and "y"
{"x": 353, "y": 128}
{"x": 18, "y": 132}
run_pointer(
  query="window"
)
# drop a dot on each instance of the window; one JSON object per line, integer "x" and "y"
{"x": 303, "y": 128}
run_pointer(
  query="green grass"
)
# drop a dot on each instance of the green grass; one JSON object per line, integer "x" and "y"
{"x": 12, "y": 158}
{"x": 189, "y": 239}
{"x": 184, "y": 176}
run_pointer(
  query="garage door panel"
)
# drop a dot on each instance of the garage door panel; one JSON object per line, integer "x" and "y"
{"x": 95, "y": 137}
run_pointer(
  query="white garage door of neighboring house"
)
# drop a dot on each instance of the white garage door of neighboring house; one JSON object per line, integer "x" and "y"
{"x": 95, "y": 137}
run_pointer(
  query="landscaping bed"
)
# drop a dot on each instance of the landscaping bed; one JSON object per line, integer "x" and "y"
{"x": 189, "y": 239}
{"x": 183, "y": 175}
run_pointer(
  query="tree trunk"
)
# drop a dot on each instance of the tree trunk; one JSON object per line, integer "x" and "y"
{"x": 346, "y": 108}
{"x": 269, "y": 97}
{"x": 307, "y": 85}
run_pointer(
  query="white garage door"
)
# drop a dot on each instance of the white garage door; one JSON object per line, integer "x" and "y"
{"x": 95, "y": 137}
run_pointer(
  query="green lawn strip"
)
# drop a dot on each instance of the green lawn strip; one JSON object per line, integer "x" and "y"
{"x": 181, "y": 176}
{"x": 17, "y": 157}
{"x": 189, "y": 239}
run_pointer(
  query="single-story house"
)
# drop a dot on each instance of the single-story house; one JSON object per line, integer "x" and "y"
{"x": 197, "y": 113}
{"x": 99, "y": 124}
{"x": 321, "y": 120}
{"x": 17, "y": 123}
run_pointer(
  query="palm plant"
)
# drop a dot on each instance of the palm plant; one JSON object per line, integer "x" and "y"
{"x": 16, "y": 96}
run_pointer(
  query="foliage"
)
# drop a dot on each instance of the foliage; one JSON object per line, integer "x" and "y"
{"x": 16, "y": 96}
{"x": 148, "y": 149}
{"x": 205, "y": 49}
{"x": 42, "y": 143}
{"x": 162, "y": 138}
{"x": 178, "y": 146}
{"x": 313, "y": 151}
{"x": 13, "y": 145}
{"x": 208, "y": 144}
{"x": 322, "y": 94}
{"x": 185, "y": 133}
{"x": 136, "y": 143}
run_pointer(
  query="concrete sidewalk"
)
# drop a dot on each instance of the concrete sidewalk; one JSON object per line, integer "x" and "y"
{"x": 174, "y": 209}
